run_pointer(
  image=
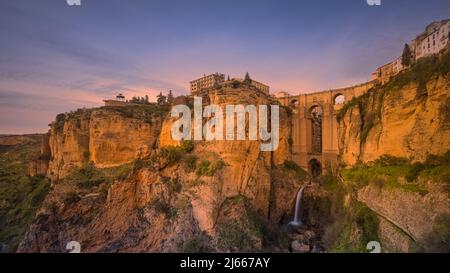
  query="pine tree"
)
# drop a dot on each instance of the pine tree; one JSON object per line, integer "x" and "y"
{"x": 170, "y": 97}
{"x": 161, "y": 100}
{"x": 146, "y": 99}
{"x": 228, "y": 79}
{"x": 406, "y": 56}
{"x": 247, "y": 78}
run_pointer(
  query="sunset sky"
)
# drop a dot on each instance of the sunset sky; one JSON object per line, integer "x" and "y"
{"x": 56, "y": 58}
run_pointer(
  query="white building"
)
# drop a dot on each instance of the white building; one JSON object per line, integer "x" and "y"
{"x": 432, "y": 40}
{"x": 206, "y": 82}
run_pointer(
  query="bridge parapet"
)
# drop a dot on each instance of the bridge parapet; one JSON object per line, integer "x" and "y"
{"x": 304, "y": 123}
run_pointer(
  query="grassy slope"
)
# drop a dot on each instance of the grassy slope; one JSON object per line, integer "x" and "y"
{"x": 20, "y": 195}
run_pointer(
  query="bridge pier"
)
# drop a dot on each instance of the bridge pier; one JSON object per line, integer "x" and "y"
{"x": 306, "y": 144}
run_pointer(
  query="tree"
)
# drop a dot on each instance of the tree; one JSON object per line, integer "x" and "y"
{"x": 247, "y": 78}
{"x": 161, "y": 100}
{"x": 406, "y": 56}
{"x": 228, "y": 79}
{"x": 146, "y": 99}
{"x": 170, "y": 97}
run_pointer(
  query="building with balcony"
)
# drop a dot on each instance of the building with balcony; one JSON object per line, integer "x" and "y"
{"x": 206, "y": 82}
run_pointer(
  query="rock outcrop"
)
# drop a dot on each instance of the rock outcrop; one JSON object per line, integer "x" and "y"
{"x": 172, "y": 198}
{"x": 408, "y": 117}
{"x": 107, "y": 136}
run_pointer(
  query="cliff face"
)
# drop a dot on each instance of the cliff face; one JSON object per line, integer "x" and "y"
{"x": 402, "y": 130}
{"x": 107, "y": 136}
{"x": 408, "y": 117}
{"x": 215, "y": 195}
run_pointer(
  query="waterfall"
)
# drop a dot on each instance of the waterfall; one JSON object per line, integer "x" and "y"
{"x": 297, "y": 222}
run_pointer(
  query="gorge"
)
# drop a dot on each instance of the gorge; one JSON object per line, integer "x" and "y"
{"x": 114, "y": 180}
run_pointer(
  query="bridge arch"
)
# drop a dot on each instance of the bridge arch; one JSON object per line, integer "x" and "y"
{"x": 315, "y": 136}
{"x": 339, "y": 99}
{"x": 315, "y": 167}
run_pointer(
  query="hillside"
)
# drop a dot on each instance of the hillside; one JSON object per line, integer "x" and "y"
{"x": 20, "y": 195}
{"x": 120, "y": 183}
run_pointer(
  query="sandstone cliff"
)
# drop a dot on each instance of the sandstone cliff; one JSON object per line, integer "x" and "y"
{"x": 408, "y": 117}
{"x": 189, "y": 196}
{"x": 107, "y": 136}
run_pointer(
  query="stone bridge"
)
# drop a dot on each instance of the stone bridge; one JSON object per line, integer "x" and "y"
{"x": 315, "y": 127}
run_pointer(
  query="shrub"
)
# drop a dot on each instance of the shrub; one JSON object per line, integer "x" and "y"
{"x": 53, "y": 207}
{"x": 87, "y": 177}
{"x": 163, "y": 207}
{"x": 293, "y": 167}
{"x": 414, "y": 171}
{"x": 195, "y": 183}
{"x": 388, "y": 160}
{"x": 235, "y": 84}
{"x": 196, "y": 244}
{"x": 368, "y": 222}
{"x": 172, "y": 184}
{"x": 439, "y": 239}
{"x": 378, "y": 182}
{"x": 190, "y": 163}
{"x": 187, "y": 146}
{"x": 207, "y": 168}
{"x": 71, "y": 198}
{"x": 171, "y": 154}
{"x": 232, "y": 236}
{"x": 103, "y": 190}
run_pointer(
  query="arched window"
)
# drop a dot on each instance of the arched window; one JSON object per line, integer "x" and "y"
{"x": 339, "y": 99}
{"x": 315, "y": 167}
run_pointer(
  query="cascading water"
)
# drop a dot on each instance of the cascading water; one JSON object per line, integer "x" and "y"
{"x": 297, "y": 222}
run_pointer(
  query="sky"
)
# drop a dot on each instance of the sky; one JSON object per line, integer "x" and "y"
{"x": 55, "y": 58}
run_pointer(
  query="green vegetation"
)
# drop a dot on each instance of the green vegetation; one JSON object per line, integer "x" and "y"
{"x": 173, "y": 154}
{"x": 388, "y": 171}
{"x": 173, "y": 185}
{"x": 370, "y": 103}
{"x": 293, "y": 167}
{"x": 207, "y": 168}
{"x": 162, "y": 206}
{"x": 190, "y": 163}
{"x": 88, "y": 176}
{"x": 349, "y": 224}
{"x": 439, "y": 239}
{"x": 240, "y": 234}
{"x": 71, "y": 198}
{"x": 142, "y": 112}
{"x": 444, "y": 113}
{"x": 195, "y": 183}
{"x": 249, "y": 229}
{"x": 406, "y": 56}
{"x": 20, "y": 195}
{"x": 357, "y": 217}
{"x": 196, "y": 244}
{"x": 235, "y": 84}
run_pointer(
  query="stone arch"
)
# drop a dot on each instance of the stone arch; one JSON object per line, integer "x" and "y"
{"x": 339, "y": 98}
{"x": 316, "y": 115}
{"x": 315, "y": 167}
